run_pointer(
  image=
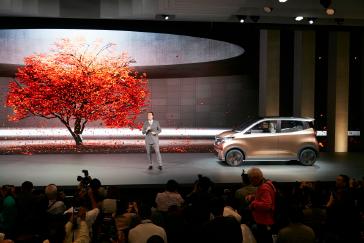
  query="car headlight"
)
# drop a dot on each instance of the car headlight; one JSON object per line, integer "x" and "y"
{"x": 226, "y": 139}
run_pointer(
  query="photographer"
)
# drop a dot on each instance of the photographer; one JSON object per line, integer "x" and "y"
{"x": 77, "y": 229}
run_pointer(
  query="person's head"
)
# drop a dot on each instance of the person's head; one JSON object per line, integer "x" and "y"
{"x": 172, "y": 186}
{"x": 204, "y": 183}
{"x": 255, "y": 176}
{"x": 150, "y": 115}
{"x": 27, "y": 186}
{"x": 7, "y": 190}
{"x": 51, "y": 192}
{"x": 342, "y": 181}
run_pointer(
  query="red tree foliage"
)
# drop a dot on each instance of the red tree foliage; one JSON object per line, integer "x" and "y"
{"x": 77, "y": 83}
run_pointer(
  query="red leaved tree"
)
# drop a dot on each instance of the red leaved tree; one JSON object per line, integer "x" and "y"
{"x": 77, "y": 83}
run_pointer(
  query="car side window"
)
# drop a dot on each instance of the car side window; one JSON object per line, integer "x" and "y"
{"x": 288, "y": 126}
{"x": 265, "y": 127}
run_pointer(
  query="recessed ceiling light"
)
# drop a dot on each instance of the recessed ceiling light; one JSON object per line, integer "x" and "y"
{"x": 166, "y": 17}
{"x": 241, "y": 18}
{"x": 282, "y": 1}
{"x": 268, "y": 9}
{"x": 311, "y": 21}
{"x": 299, "y": 18}
{"x": 330, "y": 11}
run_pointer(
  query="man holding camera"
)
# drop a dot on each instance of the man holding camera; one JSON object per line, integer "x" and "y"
{"x": 151, "y": 129}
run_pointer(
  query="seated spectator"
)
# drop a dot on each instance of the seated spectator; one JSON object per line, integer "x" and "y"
{"x": 146, "y": 229}
{"x": 110, "y": 203}
{"x": 55, "y": 206}
{"x": 296, "y": 231}
{"x": 31, "y": 217}
{"x": 220, "y": 228}
{"x": 170, "y": 197}
{"x": 342, "y": 214}
{"x": 8, "y": 211}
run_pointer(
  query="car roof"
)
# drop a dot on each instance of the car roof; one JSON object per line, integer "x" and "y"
{"x": 308, "y": 119}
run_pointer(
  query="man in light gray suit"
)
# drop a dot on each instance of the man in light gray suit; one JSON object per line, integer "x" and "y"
{"x": 151, "y": 129}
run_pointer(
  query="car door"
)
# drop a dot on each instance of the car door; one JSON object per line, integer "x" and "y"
{"x": 261, "y": 140}
{"x": 290, "y": 137}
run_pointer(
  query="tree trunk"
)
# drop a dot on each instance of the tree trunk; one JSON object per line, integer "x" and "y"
{"x": 77, "y": 132}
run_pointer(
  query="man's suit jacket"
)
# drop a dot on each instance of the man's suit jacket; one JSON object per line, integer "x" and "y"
{"x": 149, "y": 137}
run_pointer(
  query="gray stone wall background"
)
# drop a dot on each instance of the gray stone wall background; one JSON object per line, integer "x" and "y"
{"x": 203, "y": 102}
{"x": 199, "y": 102}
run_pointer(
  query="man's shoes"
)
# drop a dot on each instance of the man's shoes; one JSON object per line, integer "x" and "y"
{"x": 150, "y": 167}
{"x": 160, "y": 167}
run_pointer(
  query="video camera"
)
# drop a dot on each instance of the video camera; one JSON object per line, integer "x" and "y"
{"x": 84, "y": 180}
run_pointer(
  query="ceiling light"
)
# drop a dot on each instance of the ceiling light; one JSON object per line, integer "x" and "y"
{"x": 282, "y": 1}
{"x": 268, "y": 9}
{"x": 241, "y": 18}
{"x": 298, "y": 18}
{"x": 312, "y": 20}
{"x": 330, "y": 11}
{"x": 166, "y": 17}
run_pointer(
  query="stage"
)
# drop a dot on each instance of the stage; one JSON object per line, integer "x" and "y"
{"x": 131, "y": 168}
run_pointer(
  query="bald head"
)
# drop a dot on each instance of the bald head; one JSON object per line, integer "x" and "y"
{"x": 51, "y": 191}
{"x": 255, "y": 176}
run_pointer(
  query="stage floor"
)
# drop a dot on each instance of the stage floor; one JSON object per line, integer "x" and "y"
{"x": 131, "y": 168}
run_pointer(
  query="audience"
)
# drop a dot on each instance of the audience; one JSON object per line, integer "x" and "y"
{"x": 308, "y": 212}
{"x": 170, "y": 197}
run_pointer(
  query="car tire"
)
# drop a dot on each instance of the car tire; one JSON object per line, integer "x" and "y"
{"x": 234, "y": 157}
{"x": 307, "y": 157}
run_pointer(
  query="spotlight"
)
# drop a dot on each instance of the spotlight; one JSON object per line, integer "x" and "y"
{"x": 165, "y": 17}
{"x": 330, "y": 11}
{"x": 298, "y": 18}
{"x": 311, "y": 20}
{"x": 268, "y": 9}
{"x": 282, "y": 1}
{"x": 254, "y": 18}
{"x": 241, "y": 18}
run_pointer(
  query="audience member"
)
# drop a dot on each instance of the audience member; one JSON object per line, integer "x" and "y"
{"x": 296, "y": 231}
{"x": 55, "y": 206}
{"x": 146, "y": 229}
{"x": 8, "y": 211}
{"x": 262, "y": 205}
{"x": 170, "y": 197}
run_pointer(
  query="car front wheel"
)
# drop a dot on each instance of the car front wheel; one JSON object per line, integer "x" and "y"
{"x": 307, "y": 157}
{"x": 234, "y": 157}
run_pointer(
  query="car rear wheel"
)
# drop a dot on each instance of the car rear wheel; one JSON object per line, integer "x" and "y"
{"x": 234, "y": 157}
{"x": 308, "y": 156}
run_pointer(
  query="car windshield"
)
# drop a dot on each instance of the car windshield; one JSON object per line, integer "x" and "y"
{"x": 245, "y": 124}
